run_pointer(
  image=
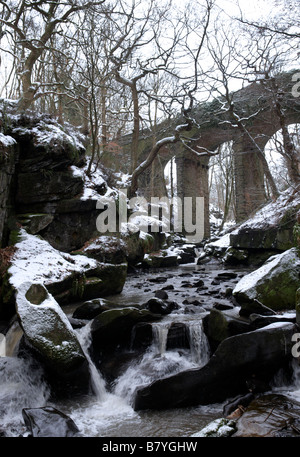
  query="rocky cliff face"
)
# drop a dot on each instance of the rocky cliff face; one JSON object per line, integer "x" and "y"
{"x": 44, "y": 194}
{"x": 8, "y": 159}
{"x": 45, "y": 191}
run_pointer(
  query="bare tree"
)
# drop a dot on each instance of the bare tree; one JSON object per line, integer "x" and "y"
{"x": 232, "y": 64}
{"x": 136, "y": 72}
{"x": 283, "y": 20}
{"x": 31, "y": 25}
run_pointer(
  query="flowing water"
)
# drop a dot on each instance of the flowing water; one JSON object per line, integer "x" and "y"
{"x": 108, "y": 413}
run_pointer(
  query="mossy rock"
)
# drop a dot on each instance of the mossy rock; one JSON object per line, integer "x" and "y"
{"x": 274, "y": 284}
{"x": 220, "y": 325}
{"x": 106, "y": 279}
{"x": 50, "y": 337}
{"x": 46, "y": 328}
{"x": 90, "y": 309}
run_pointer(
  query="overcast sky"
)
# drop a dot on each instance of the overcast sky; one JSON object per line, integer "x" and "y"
{"x": 253, "y": 9}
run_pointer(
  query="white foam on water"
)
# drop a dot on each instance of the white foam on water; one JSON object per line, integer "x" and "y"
{"x": 22, "y": 386}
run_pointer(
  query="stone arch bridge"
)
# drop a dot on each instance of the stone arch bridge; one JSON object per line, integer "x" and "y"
{"x": 255, "y": 104}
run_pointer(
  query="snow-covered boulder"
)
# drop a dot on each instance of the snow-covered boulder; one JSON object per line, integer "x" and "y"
{"x": 67, "y": 277}
{"x": 274, "y": 284}
{"x": 271, "y": 227}
{"x": 49, "y": 335}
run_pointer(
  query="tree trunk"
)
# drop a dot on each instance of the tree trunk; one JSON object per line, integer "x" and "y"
{"x": 28, "y": 91}
{"x": 136, "y": 128}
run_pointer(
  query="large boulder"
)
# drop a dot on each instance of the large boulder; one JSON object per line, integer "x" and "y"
{"x": 271, "y": 227}
{"x": 90, "y": 309}
{"x": 238, "y": 359}
{"x": 49, "y": 184}
{"x": 110, "y": 249}
{"x": 274, "y": 284}
{"x": 160, "y": 260}
{"x": 38, "y": 187}
{"x": 73, "y": 221}
{"x": 69, "y": 278}
{"x": 50, "y": 338}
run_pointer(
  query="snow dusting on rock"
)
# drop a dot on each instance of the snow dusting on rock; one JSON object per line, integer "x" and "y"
{"x": 7, "y": 140}
{"x": 272, "y": 213}
{"x": 36, "y": 260}
{"x": 249, "y": 282}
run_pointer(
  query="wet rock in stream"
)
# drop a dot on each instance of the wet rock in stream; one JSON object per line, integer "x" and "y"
{"x": 49, "y": 422}
{"x": 262, "y": 352}
{"x": 270, "y": 416}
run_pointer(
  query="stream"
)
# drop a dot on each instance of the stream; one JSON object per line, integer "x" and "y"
{"x": 109, "y": 413}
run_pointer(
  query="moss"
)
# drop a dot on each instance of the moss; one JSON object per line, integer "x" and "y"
{"x": 296, "y": 235}
{"x": 78, "y": 286}
{"x": 279, "y": 291}
{"x": 217, "y": 326}
{"x": 14, "y": 237}
{"x": 36, "y": 294}
{"x": 289, "y": 217}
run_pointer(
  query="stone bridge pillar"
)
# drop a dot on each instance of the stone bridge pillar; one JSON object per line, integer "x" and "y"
{"x": 249, "y": 176}
{"x": 192, "y": 181}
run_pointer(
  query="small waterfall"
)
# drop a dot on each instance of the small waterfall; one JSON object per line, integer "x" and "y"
{"x": 160, "y": 336}
{"x": 296, "y": 373}
{"x": 2, "y": 345}
{"x": 98, "y": 383}
{"x": 12, "y": 339}
{"x": 199, "y": 344}
{"x": 22, "y": 386}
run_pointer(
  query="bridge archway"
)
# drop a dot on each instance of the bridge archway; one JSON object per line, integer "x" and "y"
{"x": 275, "y": 154}
{"x": 253, "y": 104}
